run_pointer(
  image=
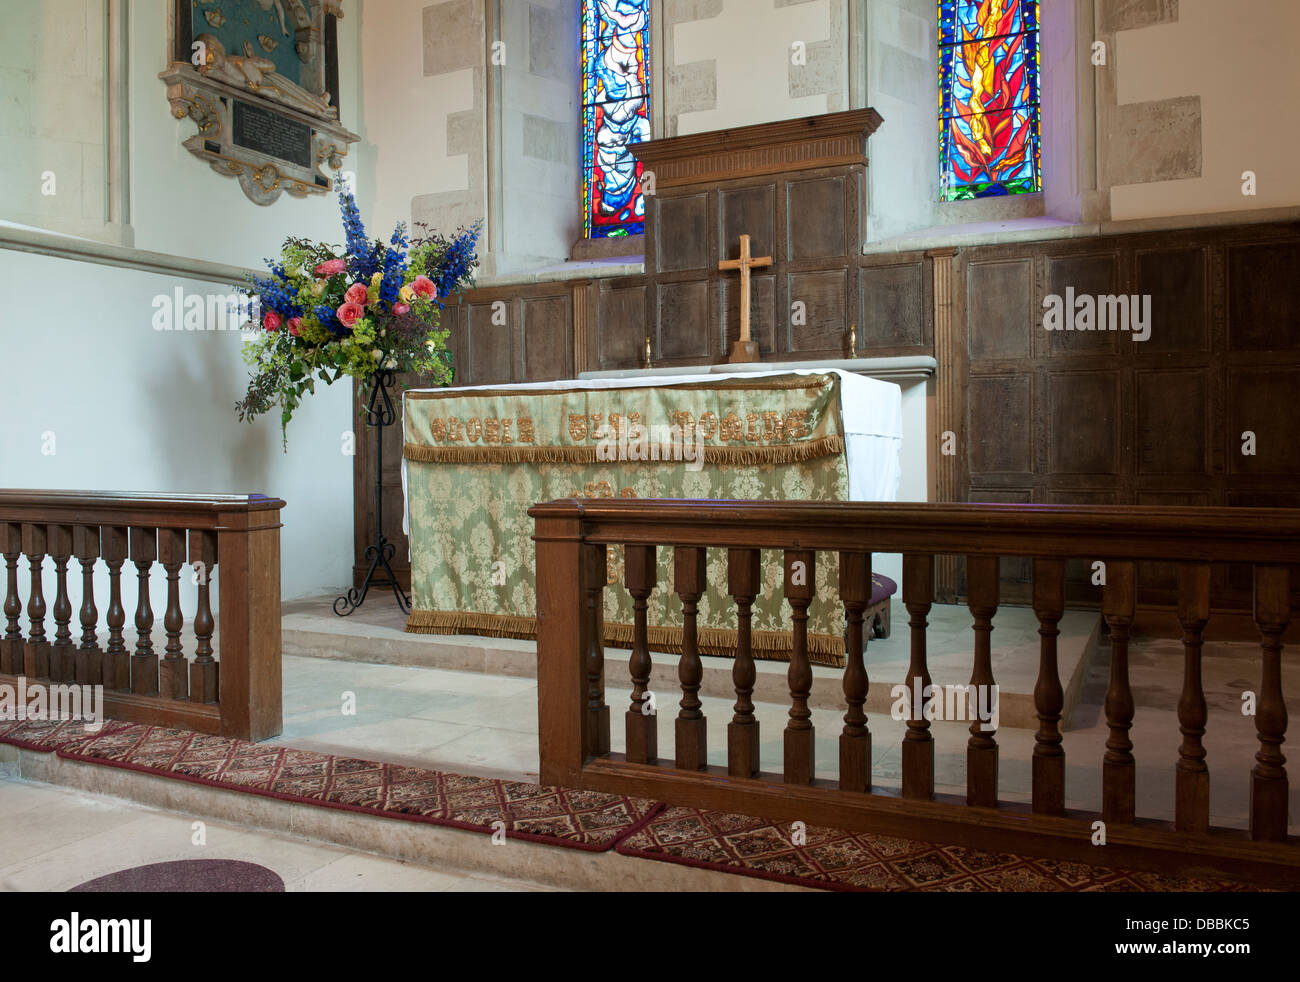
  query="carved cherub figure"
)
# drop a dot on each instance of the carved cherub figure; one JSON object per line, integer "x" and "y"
{"x": 258, "y": 74}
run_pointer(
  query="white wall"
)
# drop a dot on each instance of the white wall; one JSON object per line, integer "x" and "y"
{"x": 1240, "y": 60}
{"x": 135, "y": 409}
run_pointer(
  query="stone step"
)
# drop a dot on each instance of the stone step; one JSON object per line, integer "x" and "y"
{"x": 375, "y": 635}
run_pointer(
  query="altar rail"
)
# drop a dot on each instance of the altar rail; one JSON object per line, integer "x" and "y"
{"x": 233, "y": 537}
{"x": 571, "y": 539}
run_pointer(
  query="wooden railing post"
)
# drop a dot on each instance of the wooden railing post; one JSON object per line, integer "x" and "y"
{"x": 855, "y": 740}
{"x": 1119, "y": 771}
{"x": 204, "y": 670}
{"x": 114, "y": 541}
{"x": 11, "y": 647}
{"x": 918, "y": 743}
{"x": 562, "y": 696}
{"x": 63, "y": 653}
{"x": 90, "y": 660}
{"x": 594, "y": 560}
{"x": 1192, "y": 777}
{"x": 144, "y": 661}
{"x": 1049, "y": 756}
{"x": 800, "y": 735}
{"x": 981, "y": 747}
{"x": 36, "y": 653}
{"x": 173, "y": 672}
{"x": 744, "y": 577}
{"x": 1268, "y": 780}
{"x": 690, "y": 578}
{"x": 639, "y": 571}
{"x": 248, "y": 543}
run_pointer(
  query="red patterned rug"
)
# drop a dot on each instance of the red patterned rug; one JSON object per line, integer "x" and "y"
{"x": 834, "y": 860}
{"x": 588, "y": 820}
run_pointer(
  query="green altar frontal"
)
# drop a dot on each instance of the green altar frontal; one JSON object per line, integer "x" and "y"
{"x": 477, "y": 459}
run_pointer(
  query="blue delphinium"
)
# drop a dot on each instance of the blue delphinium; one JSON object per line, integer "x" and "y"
{"x": 458, "y": 260}
{"x": 366, "y": 257}
{"x": 394, "y": 265}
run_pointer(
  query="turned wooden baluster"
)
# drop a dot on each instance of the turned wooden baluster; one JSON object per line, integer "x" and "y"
{"x": 11, "y": 646}
{"x": 594, "y": 559}
{"x": 36, "y": 652}
{"x": 1049, "y": 699}
{"x": 117, "y": 660}
{"x": 639, "y": 570}
{"x": 800, "y": 742}
{"x": 1192, "y": 777}
{"x": 744, "y": 577}
{"x": 144, "y": 663}
{"x": 918, "y": 743}
{"x": 690, "y": 578}
{"x": 981, "y": 747}
{"x": 173, "y": 673}
{"x": 90, "y": 660}
{"x": 1118, "y": 771}
{"x": 204, "y": 669}
{"x": 63, "y": 656}
{"x": 855, "y": 740}
{"x": 1268, "y": 780}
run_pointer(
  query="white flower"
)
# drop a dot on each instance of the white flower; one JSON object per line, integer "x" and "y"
{"x": 390, "y": 363}
{"x": 376, "y": 354}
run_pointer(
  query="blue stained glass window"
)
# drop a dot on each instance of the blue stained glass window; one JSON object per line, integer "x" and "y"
{"x": 615, "y": 114}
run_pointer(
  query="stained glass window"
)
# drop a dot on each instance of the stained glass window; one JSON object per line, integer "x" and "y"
{"x": 615, "y": 114}
{"x": 988, "y": 98}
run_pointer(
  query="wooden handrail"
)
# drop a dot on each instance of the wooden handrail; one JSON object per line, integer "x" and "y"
{"x": 237, "y": 536}
{"x": 574, "y": 722}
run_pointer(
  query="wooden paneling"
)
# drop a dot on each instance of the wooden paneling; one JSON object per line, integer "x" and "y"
{"x": 824, "y": 299}
{"x": 620, "y": 327}
{"x": 998, "y": 301}
{"x": 815, "y": 223}
{"x": 547, "y": 338}
{"x": 892, "y": 301}
{"x": 682, "y": 233}
{"x": 1263, "y": 304}
{"x": 763, "y": 314}
{"x": 683, "y": 316}
{"x": 748, "y": 211}
{"x": 1113, "y": 420}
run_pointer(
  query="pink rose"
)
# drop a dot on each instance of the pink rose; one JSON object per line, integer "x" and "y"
{"x": 401, "y": 308}
{"x": 356, "y": 294}
{"x": 331, "y": 267}
{"x": 295, "y": 326}
{"x": 350, "y": 313}
{"x": 423, "y": 287}
{"x": 272, "y": 321}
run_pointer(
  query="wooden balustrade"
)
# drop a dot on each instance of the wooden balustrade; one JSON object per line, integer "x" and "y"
{"x": 571, "y": 538}
{"x": 233, "y": 537}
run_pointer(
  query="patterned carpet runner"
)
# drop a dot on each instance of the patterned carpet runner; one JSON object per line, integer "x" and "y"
{"x": 828, "y": 859}
{"x": 835, "y": 860}
{"x": 558, "y": 816}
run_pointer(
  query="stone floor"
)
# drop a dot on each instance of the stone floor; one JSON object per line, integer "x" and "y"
{"x": 82, "y": 836}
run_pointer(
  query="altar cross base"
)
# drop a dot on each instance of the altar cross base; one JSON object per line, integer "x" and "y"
{"x": 744, "y": 350}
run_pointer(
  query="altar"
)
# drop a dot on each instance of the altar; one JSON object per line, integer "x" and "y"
{"x": 475, "y": 459}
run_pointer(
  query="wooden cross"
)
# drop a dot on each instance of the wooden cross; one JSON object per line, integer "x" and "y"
{"x": 745, "y": 349}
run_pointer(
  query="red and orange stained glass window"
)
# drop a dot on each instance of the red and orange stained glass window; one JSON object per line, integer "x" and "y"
{"x": 615, "y": 114}
{"x": 988, "y": 98}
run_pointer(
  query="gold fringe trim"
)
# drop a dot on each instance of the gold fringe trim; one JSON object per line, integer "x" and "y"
{"x": 823, "y": 649}
{"x": 769, "y": 384}
{"x": 789, "y": 453}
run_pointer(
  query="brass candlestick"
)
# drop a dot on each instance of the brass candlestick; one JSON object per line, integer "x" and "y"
{"x": 853, "y": 341}
{"x": 648, "y": 363}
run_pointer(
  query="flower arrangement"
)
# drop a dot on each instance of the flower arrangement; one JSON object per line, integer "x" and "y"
{"x": 359, "y": 311}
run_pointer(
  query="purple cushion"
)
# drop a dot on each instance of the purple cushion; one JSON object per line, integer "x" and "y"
{"x": 881, "y": 588}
